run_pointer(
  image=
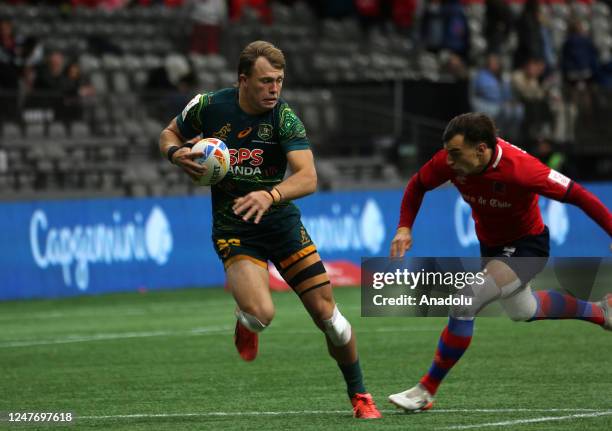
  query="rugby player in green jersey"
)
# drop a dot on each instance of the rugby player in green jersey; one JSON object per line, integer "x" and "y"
{"x": 254, "y": 219}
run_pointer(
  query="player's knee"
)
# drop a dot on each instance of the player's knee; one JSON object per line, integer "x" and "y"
{"x": 522, "y": 306}
{"x": 256, "y": 318}
{"x": 337, "y": 328}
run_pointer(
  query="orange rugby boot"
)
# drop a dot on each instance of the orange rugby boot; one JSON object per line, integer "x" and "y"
{"x": 246, "y": 342}
{"x": 364, "y": 407}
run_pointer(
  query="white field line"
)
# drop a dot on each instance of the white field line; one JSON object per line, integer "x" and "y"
{"x": 213, "y": 330}
{"x": 592, "y": 413}
{"x": 115, "y": 336}
{"x": 88, "y": 312}
{"x": 531, "y": 421}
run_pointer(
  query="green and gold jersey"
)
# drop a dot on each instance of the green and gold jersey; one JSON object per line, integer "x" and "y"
{"x": 258, "y": 145}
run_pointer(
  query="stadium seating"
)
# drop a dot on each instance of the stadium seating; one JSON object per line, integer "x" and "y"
{"x": 345, "y": 84}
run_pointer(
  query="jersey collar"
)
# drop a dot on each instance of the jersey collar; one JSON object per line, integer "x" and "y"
{"x": 498, "y": 155}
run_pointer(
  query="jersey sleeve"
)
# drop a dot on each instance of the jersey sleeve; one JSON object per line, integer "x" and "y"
{"x": 433, "y": 174}
{"x": 535, "y": 176}
{"x": 292, "y": 133}
{"x": 190, "y": 120}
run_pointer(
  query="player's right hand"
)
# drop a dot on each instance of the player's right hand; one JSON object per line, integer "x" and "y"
{"x": 402, "y": 241}
{"x": 185, "y": 159}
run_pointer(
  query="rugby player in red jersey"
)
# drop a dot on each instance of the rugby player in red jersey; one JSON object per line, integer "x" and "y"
{"x": 501, "y": 183}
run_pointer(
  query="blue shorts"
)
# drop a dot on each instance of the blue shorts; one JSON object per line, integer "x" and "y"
{"x": 526, "y": 256}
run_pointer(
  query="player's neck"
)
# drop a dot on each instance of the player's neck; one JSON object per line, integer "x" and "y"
{"x": 487, "y": 157}
{"x": 246, "y": 107}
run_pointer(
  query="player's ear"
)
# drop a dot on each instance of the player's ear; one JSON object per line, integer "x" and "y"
{"x": 481, "y": 147}
{"x": 242, "y": 78}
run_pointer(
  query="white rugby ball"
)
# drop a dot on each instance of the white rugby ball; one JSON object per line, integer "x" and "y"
{"x": 216, "y": 158}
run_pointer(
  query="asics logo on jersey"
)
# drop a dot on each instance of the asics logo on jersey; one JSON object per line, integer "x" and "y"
{"x": 244, "y": 133}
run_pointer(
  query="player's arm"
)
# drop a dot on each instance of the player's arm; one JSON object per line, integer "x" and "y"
{"x": 434, "y": 173}
{"x": 173, "y": 146}
{"x": 554, "y": 185}
{"x": 591, "y": 205}
{"x": 174, "y": 139}
{"x": 302, "y": 182}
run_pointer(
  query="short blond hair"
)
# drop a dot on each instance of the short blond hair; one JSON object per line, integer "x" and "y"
{"x": 259, "y": 48}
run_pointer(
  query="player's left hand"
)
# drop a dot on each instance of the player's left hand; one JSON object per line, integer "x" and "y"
{"x": 254, "y": 204}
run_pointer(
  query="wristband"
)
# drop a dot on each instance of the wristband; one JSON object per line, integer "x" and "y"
{"x": 280, "y": 195}
{"x": 271, "y": 195}
{"x": 171, "y": 152}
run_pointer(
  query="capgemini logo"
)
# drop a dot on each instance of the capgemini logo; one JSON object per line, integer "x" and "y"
{"x": 372, "y": 226}
{"x": 353, "y": 229}
{"x": 81, "y": 245}
{"x": 158, "y": 236}
{"x": 555, "y": 216}
{"x": 464, "y": 224}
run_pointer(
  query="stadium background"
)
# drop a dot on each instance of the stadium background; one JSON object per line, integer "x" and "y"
{"x": 87, "y": 86}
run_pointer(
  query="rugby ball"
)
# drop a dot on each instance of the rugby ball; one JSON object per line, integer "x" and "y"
{"x": 216, "y": 158}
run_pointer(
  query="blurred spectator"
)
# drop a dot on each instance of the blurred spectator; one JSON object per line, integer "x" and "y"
{"x": 208, "y": 17}
{"x": 534, "y": 38}
{"x": 158, "y": 80}
{"x": 50, "y": 76}
{"x": 444, "y": 26}
{"x": 579, "y": 60}
{"x": 499, "y": 23}
{"x": 185, "y": 90}
{"x": 49, "y": 82}
{"x": 369, "y": 13}
{"x": 261, "y": 7}
{"x": 452, "y": 66}
{"x": 579, "y": 65}
{"x": 491, "y": 93}
{"x": 402, "y": 15}
{"x": 553, "y": 157}
{"x": 75, "y": 90}
{"x": 528, "y": 88}
{"x": 9, "y": 74}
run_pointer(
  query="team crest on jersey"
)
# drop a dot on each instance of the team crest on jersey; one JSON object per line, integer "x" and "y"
{"x": 499, "y": 187}
{"x": 265, "y": 131}
{"x": 223, "y": 132}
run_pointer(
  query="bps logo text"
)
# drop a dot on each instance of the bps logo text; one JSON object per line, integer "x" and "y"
{"x": 244, "y": 161}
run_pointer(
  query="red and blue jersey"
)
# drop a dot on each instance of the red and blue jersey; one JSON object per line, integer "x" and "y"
{"x": 504, "y": 197}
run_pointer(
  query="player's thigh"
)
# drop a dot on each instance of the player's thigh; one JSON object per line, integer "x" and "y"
{"x": 249, "y": 284}
{"x": 309, "y": 280}
{"x": 319, "y": 303}
{"x": 522, "y": 260}
{"x": 500, "y": 271}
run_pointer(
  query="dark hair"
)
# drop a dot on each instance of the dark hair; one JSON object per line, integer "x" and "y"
{"x": 259, "y": 48}
{"x": 475, "y": 128}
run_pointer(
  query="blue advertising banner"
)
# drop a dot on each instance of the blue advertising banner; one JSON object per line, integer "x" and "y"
{"x": 355, "y": 224}
{"x": 63, "y": 248}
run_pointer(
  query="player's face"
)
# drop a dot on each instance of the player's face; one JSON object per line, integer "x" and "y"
{"x": 262, "y": 88}
{"x": 463, "y": 158}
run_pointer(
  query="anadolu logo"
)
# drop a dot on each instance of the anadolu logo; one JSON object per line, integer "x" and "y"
{"x": 136, "y": 240}
{"x": 354, "y": 229}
